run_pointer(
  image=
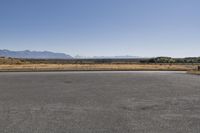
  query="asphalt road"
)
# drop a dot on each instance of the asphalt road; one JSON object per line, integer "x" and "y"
{"x": 99, "y": 102}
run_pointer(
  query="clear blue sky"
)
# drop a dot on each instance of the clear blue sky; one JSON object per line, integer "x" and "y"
{"x": 102, "y": 27}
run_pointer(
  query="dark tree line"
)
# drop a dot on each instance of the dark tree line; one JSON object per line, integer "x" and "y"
{"x": 172, "y": 60}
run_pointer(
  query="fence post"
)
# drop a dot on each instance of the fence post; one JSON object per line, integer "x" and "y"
{"x": 198, "y": 68}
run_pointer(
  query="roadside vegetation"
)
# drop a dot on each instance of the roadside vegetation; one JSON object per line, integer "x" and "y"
{"x": 154, "y": 64}
{"x": 195, "y": 71}
{"x": 95, "y": 67}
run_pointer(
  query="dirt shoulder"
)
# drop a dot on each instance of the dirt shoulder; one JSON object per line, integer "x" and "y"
{"x": 194, "y": 72}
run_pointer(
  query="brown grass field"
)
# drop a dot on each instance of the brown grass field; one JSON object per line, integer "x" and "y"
{"x": 10, "y": 64}
{"x": 95, "y": 67}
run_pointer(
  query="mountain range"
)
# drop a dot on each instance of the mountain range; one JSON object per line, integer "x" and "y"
{"x": 27, "y": 54}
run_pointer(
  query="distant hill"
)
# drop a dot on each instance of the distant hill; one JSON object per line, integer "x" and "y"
{"x": 34, "y": 54}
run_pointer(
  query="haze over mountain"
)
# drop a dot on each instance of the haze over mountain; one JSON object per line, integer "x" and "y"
{"x": 34, "y": 54}
{"x": 107, "y": 57}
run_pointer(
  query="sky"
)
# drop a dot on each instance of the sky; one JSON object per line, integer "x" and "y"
{"x": 145, "y": 28}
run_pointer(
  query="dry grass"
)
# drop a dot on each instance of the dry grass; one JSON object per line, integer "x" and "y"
{"x": 11, "y": 61}
{"x": 93, "y": 67}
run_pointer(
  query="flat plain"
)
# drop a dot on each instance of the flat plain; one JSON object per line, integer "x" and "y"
{"x": 99, "y": 102}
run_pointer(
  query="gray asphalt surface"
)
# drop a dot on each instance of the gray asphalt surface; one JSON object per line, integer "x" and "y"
{"x": 99, "y": 102}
